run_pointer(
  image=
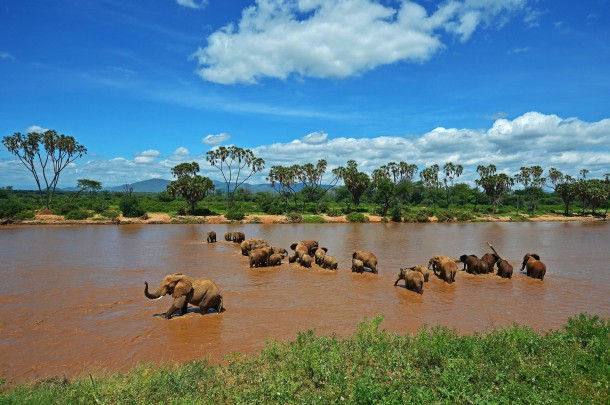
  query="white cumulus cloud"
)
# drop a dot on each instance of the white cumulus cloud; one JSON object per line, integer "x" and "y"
{"x": 148, "y": 156}
{"x": 315, "y": 138}
{"x": 214, "y": 140}
{"x": 338, "y": 38}
{"x": 193, "y": 4}
{"x": 35, "y": 128}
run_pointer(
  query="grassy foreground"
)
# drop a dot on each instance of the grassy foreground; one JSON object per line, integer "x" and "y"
{"x": 508, "y": 365}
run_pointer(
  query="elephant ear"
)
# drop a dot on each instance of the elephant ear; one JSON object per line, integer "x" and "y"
{"x": 183, "y": 287}
{"x": 294, "y": 245}
{"x": 324, "y": 249}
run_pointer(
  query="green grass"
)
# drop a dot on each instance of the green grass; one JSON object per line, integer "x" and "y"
{"x": 436, "y": 365}
{"x": 313, "y": 219}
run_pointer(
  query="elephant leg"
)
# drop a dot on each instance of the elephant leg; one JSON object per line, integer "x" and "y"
{"x": 179, "y": 303}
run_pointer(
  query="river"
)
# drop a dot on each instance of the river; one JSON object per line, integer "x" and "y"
{"x": 72, "y": 302}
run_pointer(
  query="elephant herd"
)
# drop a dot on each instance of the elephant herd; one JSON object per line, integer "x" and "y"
{"x": 205, "y": 294}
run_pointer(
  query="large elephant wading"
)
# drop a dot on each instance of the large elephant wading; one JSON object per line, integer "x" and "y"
{"x": 414, "y": 280}
{"x": 533, "y": 266}
{"x": 444, "y": 267}
{"x": 368, "y": 259}
{"x": 200, "y": 292}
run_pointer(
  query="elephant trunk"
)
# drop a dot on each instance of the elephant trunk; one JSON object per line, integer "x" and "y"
{"x": 154, "y": 296}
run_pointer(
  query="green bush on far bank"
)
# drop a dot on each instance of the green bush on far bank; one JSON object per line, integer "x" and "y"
{"x": 436, "y": 365}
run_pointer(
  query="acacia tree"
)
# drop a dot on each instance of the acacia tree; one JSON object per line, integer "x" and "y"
{"x": 45, "y": 155}
{"x": 312, "y": 178}
{"x": 356, "y": 182}
{"x": 189, "y": 185}
{"x": 283, "y": 179}
{"x": 91, "y": 186}
{"x": 451, "y": 172}
{"x": 236, "y": 166}
{"x": 494, "y": 185}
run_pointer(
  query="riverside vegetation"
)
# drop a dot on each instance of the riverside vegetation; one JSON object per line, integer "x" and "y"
{"x": 436, "y": 365}
{"x": 466, "y": 204}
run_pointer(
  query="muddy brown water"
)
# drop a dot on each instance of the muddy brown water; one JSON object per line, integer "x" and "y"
{"x": 72, "y": 302}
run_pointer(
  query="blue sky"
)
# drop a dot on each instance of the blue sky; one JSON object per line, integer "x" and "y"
{"x": 147, "y": 85}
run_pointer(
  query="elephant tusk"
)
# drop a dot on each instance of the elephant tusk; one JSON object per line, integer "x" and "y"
{"x": 160, "y": 297}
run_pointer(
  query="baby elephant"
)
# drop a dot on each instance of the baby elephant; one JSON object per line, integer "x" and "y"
{"x": 275, "y": 259}
{"x": 423, "y": 270}
{"x": 306, "y": 261}
{"x": 329, "y": 262}
{"x": 414, "y": 280}
{"x": 357, "y": 266}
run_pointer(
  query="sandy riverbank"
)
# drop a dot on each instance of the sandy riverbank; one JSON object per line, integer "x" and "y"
{"x": 163, "y": 218}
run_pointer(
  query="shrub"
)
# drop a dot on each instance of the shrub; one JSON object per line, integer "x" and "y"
{"x": 294, "y": 217}
{"x": 314, "y": 219}
{"x": 9, "y": 208}
{"x": 396, "y": 215}
{"x": 65, "y": 207}
{"x": 464, "y": 216}
{"x": 78, "y": 214}
{"x": 164, "y": 196}
{"x": 444, "y": 216}
{"x": 130, "y": 207}
{"x": 112, "y": 214}
{"x": 25, "y": 215}
{"x": 334, "y": 212}
{"x": 235, "y": 214}
{"x": 275, "y": 210}
{"x": 357, "y": 217}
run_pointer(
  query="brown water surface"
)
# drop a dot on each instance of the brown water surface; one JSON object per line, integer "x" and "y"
{"x": 72, "y": 302}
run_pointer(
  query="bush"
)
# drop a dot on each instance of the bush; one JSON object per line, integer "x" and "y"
{"x": 78, "y": 215}
{"x": 444, "y": 216}
{"x": 357, "y": 217}
{"x": 130, "y": 207}
{"x": 396, "y": 215}
{"x": 65, "y": 207}
{"x": 9, "y": 208}
{"x": 464, "y": 216}
{"x": 275, "y": 210}
{"x": 334, "y": 212}
{"x": 294, "y": 217}
{"x": 112, "y": 214}
{"x": 25, "y": 215}
{"x": 235, "y": 214}
{"x": 314, "y": 219}
{"x": 164, "y": 196}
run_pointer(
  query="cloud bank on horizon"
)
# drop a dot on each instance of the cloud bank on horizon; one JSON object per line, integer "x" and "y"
{"x": 338, "y": 38}
{"x": 570, "y": 145}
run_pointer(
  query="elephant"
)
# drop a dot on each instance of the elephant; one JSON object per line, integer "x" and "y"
{"x": 258, "y": 257}
{"x": 414, "y": 280}
{"x": 490, "y": 259}
{"x": 238, "y": 236}
{"x": 505, "y": 269}
{"x": 319, "y": 255}
{"x": 250, "y": 244}
{"x": 275, "y": 259}
{"x": 312, "y": 245}
{"x": 211, "y": 236}
{"x": 201, "y": 292}
{"x": 474, "y": 265}
{"x": 306, "y": 261}
{"x": 368, "y": 259}
{"x": 280, "y": 250}
{"x": 329, "y": 262}
{"x": 534, "y": 267}
{"x": 445, "y": 266}
{"x": 300, "y": 249}
{"x": 357, "y": 266}
{"x": 423, "y": 270}
{"x": 228, "y": 236}
{"x": 293, "y": 257}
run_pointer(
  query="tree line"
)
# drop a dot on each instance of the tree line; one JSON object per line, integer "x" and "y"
{"x": 390, "y": 189}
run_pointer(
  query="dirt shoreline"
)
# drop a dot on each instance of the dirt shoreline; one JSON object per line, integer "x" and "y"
{"x": 163, "y": 218}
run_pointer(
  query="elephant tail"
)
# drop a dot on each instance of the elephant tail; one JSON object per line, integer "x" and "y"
{"x": 220, "y": 305}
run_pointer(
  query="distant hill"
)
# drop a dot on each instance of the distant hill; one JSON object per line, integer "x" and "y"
{"x": 158, "y": 185}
